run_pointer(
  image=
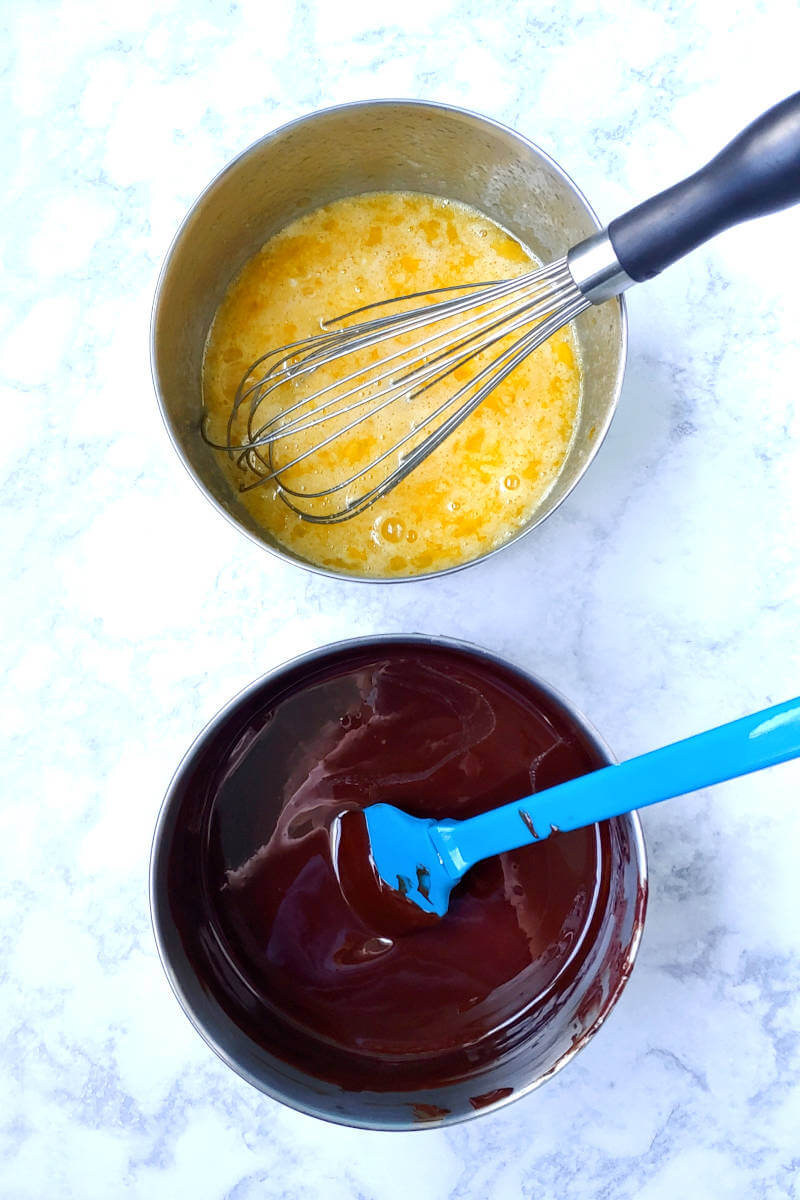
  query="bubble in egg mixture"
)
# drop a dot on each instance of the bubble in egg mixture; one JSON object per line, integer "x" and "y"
{"x": 392, "y": 529}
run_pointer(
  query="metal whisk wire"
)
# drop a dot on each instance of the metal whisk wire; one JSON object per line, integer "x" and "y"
{"x": 537, "y": 303}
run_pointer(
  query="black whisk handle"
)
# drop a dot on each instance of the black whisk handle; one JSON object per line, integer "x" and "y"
{"x": 757, "y": 173}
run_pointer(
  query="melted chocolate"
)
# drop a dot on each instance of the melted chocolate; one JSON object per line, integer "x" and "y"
{"x": 252, "y": 873}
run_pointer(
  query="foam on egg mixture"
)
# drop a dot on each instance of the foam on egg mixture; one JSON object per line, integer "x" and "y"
{"x": 487, "y": 480}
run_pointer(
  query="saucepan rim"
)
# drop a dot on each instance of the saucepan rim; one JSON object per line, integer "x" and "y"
{"x": 159, "y": 899}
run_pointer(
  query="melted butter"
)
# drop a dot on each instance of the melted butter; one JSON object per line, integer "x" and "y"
{"x": 488, "y": 478}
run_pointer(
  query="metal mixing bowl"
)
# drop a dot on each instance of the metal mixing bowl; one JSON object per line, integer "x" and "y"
{"x": 377, "y": 145}
{"x": 604, "y": 971}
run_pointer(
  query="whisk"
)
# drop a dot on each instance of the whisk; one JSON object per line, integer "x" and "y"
{"x": 418, "y": 365}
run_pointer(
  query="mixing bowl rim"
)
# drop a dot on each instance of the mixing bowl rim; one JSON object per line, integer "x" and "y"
{"x": 273, "y": 135}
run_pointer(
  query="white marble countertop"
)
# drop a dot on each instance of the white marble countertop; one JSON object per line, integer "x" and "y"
{"x": 664, "y": 596}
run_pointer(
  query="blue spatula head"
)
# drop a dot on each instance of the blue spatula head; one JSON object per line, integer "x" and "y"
{"x": 406, "y": 858}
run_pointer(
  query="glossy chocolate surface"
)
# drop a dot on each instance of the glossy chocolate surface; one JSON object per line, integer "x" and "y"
{"x": 258, "y": 907}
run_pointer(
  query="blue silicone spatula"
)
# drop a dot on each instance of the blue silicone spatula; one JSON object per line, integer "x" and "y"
{"x": 423, "y": 859}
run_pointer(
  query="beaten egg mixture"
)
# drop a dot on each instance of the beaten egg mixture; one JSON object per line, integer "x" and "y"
{"x": 488, "y": 478}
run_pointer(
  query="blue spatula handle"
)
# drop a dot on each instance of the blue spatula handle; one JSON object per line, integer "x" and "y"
{"x": 760, "y": 740}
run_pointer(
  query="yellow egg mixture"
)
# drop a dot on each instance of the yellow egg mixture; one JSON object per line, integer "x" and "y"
{"x": 487, "y": 479}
